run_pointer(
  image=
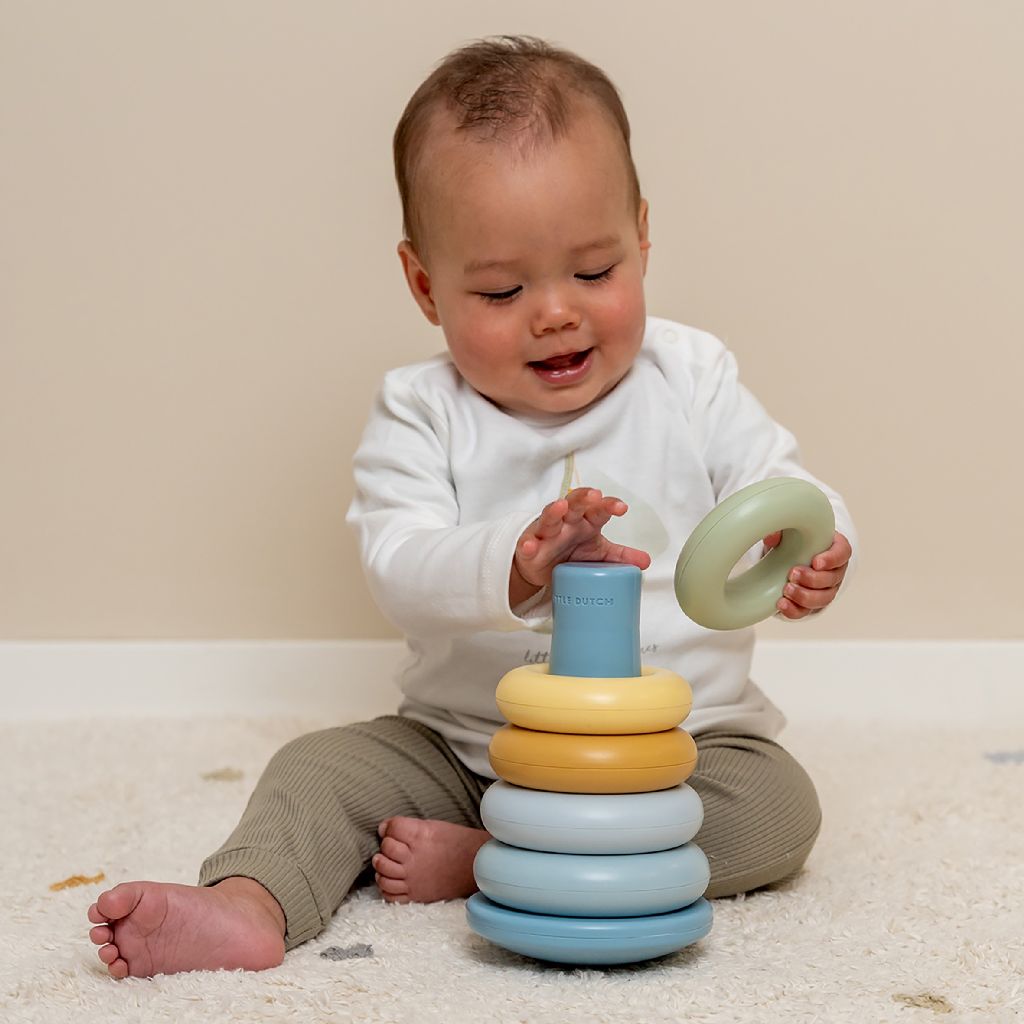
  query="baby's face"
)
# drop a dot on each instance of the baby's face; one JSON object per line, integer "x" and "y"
{"x": 533, "y": 266}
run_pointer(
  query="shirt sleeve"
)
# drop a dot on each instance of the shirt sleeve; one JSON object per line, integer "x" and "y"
{"x": 429, "y": 574}
{"x": 741, "y": 444}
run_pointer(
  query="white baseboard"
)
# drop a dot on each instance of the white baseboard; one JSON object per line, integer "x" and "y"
{"x": 347, "y": 679}
{"x": 966, "y": 682}
{"x": 922, "y": 682}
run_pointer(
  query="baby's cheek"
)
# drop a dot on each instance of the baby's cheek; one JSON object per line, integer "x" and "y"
{"x": 622, "y": 315}
{"x": 477, "y": 345}
{"x": 627, "y": 293}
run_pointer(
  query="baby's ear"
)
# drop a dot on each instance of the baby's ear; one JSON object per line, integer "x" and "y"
{"x": 418, "y": 279}
{"x": 642, "y": 229}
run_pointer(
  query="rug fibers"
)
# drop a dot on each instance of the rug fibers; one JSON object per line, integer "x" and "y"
{"x": 910, "y": 909}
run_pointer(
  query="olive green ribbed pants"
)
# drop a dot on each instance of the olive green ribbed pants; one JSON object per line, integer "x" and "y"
{"x": 310, "y": 827}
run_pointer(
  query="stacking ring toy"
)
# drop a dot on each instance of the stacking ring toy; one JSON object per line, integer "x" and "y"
{"x": 703, "y": 588}
{"x": 591, "y": 885}
{"x": 570, "y": 763}
{"x": 589, "y": 940}
{"x": 592, "y": 822}
{"x": 530, "y": 696}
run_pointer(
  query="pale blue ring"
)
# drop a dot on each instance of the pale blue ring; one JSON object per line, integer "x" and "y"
{"x": 592, "y": 885}
{"x": 592, "y": 822}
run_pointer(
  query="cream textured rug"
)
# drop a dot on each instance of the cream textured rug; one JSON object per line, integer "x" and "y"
{"x": 911, "y": 908}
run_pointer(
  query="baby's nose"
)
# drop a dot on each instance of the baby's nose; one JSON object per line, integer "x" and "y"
{"x": 555, "y": 312}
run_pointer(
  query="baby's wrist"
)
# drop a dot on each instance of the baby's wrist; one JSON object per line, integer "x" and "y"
{"x": 520, "y": 589}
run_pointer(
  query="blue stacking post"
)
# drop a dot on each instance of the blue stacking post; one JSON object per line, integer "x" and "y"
{"x": 596, "y": 613}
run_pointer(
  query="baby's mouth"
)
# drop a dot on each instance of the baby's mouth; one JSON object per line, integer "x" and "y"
{"x": 562, "y": 369}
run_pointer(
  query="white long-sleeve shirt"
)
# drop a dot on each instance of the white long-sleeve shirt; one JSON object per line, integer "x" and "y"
{"x": 446, "y": 482}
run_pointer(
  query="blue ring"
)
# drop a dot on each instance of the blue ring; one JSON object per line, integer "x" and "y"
{"x": 588, "y": 940}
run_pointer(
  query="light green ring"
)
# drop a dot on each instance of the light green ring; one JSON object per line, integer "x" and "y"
{"x": 703, "y": 588}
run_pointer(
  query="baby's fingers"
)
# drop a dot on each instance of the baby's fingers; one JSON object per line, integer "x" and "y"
{"x": 579, "y": 502}
{"x": 549, "y": 523}
{"x": 837, "y": 555}
{"x": 788, "y": 610}
{"x": 627, "y": 556}
{"x": 804, "y": 597}
{"x": 615, "y": 506}
{"x": 599, "y": 514}
{"x": 527, "y": 547}
{"x": 815, "y": 579}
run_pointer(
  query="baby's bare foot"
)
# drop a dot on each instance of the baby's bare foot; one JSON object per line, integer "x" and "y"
{"x": 147, "y": 928}
{"x": 423, "y": 861}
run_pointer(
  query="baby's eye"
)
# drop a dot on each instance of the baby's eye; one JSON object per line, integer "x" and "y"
{"x": 507, "y": 296}
{"x": 500, "y": 296}
{"x": 591, "y": 278}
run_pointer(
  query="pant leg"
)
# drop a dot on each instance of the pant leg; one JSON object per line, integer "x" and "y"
{"x": 310, "y": 827}
{"x": 761, "y": 811}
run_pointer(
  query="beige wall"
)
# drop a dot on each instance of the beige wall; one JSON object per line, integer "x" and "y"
{"x": 199, "y": 291}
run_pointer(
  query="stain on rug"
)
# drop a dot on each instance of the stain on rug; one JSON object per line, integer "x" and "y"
{"x": 223, "y": 775}
{"x": 76, "y": 880}
{"x": 346, "y": 952}
{"x": 1005, "y": 756}
{"x": 924, "y": 1001}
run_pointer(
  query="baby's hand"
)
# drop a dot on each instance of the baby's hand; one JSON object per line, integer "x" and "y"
{"x": 811, "y": 589}
{"x": 568, "y": 530}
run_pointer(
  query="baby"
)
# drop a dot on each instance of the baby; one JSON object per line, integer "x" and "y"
{"x": 558, "y": 404}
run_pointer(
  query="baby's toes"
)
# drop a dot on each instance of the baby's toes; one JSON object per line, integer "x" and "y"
{"x": 408, "y": 831}
{"x": 387, "y": 867}
{"x": 118, "y": 969}
{"x": 108, "y": 954}
{"x": 394, "y": 849}
{"x": 101, "y": 935}
{"x": 118, "y": 902}
{"x": 394, "y": 890}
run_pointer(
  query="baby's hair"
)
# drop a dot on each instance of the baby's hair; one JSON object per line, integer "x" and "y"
{"x": 503, "y": 88}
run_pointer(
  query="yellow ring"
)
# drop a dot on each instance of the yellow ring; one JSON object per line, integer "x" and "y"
{"x": 570, "y": 763}
{"x": 655, "y": 700}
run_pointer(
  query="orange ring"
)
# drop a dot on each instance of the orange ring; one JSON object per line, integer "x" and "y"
{"x": 571, "y": 763}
